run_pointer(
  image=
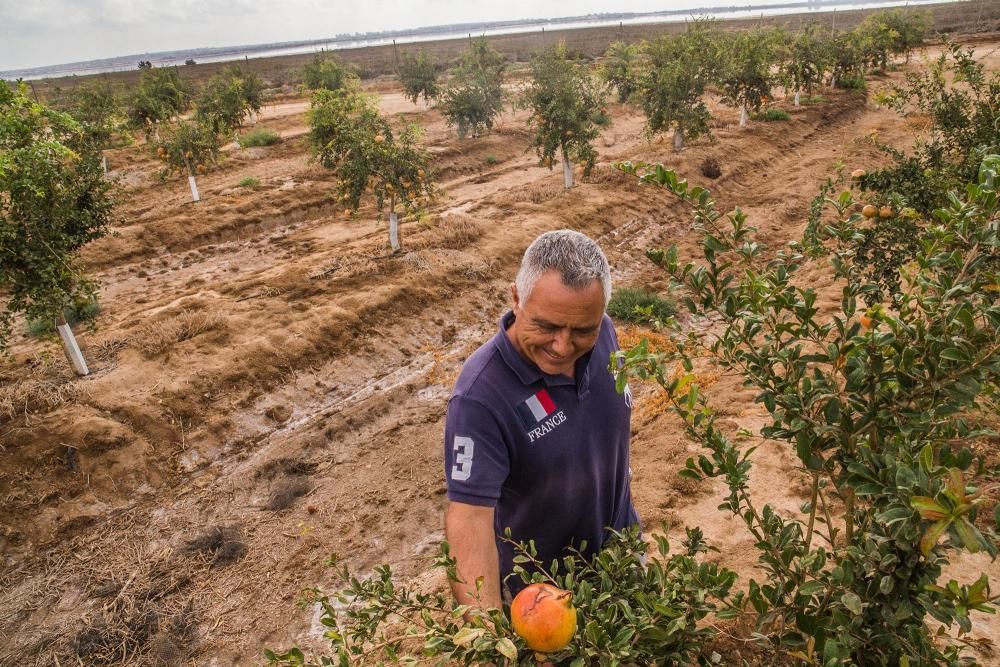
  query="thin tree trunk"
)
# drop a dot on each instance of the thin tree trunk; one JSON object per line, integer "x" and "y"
{"x": 236, "y": 138}
{"x": 743, "y": 116}
{"x": 567, "y": 170}
{"x": 72, "y": 349}
{"x": 104, "y": 164}
{"x": 678, "y": 140}
{"x": 798, "y": 93}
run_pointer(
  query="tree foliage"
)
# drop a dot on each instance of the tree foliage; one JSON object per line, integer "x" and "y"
{"x": 621, "y": 69}
{"x": 160, "y": 95}
{"x": 805, "y": 60}
{"x": 564, "y": 100}
{"x": 228, "y": 98}
{"x": 54, "y": 199}
{"x": 188, "y": 148}
{"x": 671, "y": 90}
{"x": 97, "y": 107}
{"x": 878, "y": 406}
{"x": 325, "y": 72}
{"x": 474, "y": 97}
{"x": 745, "y": 70}
{"x": 419, "y": 75}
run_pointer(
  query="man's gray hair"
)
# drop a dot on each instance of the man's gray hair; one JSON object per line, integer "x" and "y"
{"x": 577, "y": 258}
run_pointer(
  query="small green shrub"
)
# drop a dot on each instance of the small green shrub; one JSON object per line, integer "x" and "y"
{"x": 83, "y": 310}
{"x": 260, "y": 137}
{"x": 813, "y": 99}
{"x": 640, "y": 306}
{"x": 771, "y": 115}
{"x": 250, "y": 182}
{"x": 491, "y": 159}
{"x": 852, "y": 83}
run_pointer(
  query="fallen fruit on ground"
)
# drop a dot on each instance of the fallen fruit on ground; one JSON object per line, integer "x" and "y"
{"x": 885, "y": 212}
{"x": 858, "y": 174}
{"x": 544, "y": 616}
{"x": 869, "y": 211}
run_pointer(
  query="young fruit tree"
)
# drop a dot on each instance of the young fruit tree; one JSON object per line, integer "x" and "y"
{"x": 325, "y": 72}
{"x": 671, "y": 90}
{"x": 805, "y": 61}
{"x": 228, "y": 99}
{"x": 614, "y": 609}
{"x": 620, "y": 69}
{"x": 745, "y": 71}
{"x": 349, "y": 136}
{"x": 54, "y": 199}
{"x": 188, "y": 148}
{"x": 419, "y": 75}
{"x": 564, "y": 100}
{"x": 474, "y": 97}
{"x": 160, "y": 95}
{"x": 882, "y": 407}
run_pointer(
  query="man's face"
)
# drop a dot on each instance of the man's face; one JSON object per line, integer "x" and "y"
{"x": 556, "y": 325}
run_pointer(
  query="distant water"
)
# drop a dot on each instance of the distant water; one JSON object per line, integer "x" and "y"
{"x": 210, "y": 55}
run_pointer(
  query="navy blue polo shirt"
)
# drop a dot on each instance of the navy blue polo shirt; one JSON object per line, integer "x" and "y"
{"x": 550, "y": 453}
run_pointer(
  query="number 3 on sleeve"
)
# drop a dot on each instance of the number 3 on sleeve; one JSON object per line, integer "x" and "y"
{"x": 462, "y": 468}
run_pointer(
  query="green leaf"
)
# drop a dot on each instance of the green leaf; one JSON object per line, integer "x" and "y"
{"x": 852, "y": 602}
{"x": 467, "y": 635}
{"x": 931, "y": 536}
{"x": 506, "y": 648}
{"x": 952, "y": 353}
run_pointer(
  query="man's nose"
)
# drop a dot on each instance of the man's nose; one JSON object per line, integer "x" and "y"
{"x": 561, "y": 343}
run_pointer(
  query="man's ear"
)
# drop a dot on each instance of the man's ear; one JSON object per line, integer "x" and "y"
{"x": 514, "y": 298}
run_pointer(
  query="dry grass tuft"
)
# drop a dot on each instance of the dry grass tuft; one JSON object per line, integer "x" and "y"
{"x": 156, "y": 338}
{"x": 222, "y": 545}
{"x": 41, "y": 389}
{"x": 286, "y": 491}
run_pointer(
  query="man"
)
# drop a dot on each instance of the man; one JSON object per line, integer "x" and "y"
{"x": 537, "y": 438}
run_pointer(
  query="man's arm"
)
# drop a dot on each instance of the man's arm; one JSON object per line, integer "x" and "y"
{"x": 469, "y": 531}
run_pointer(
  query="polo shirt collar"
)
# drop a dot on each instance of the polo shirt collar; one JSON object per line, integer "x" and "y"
{"x": 529, "y": 373}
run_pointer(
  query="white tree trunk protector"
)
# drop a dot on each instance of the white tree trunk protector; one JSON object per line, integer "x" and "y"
{"x": 394, "y": 232}
{"x": 567, "y": 171}
{"x": 797, "y": 93}
{"x": 72, "y": 349}
{"x": 104, "y": 163}
{"x": 743, "y": 117}
{"x": 194, "y": 189}
{"x": 236, "y": 138}
{"x": 678, "y": 140}
{"x": 833, "y": 81}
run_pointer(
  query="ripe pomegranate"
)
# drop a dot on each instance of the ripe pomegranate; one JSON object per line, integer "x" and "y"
{"x": 858, "y": 174}
{"x": 869, "y": 211}
{"x": 544, "y": 617}
{"x": 886, "y": 212}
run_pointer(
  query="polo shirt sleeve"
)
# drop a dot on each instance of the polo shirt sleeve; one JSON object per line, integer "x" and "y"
{"x": 476, "y": 459}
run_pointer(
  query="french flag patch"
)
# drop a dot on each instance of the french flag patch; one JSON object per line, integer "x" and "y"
{"x": 536, "y": 408}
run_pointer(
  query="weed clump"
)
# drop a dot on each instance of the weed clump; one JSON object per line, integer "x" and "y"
{"x": 259, "y": 138}
{"x": 640, "y": 306}
{"x": 710, "y": 168}
{"x": 771, "y": 114}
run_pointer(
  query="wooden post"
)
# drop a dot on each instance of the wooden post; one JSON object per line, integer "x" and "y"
{"x": 71, "y": 347}
{"x": 567, "y": 171}
{"x": 33, "y": 92}
{"x": 395, "y": 54}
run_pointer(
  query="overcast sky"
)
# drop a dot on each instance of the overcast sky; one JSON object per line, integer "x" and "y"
{"x": 34, "y": 33}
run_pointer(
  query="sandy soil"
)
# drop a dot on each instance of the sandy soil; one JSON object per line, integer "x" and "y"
{"x": 269, "y": 384}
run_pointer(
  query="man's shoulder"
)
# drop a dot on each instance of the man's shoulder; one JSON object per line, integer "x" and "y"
{"x": 480, "y": 370}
